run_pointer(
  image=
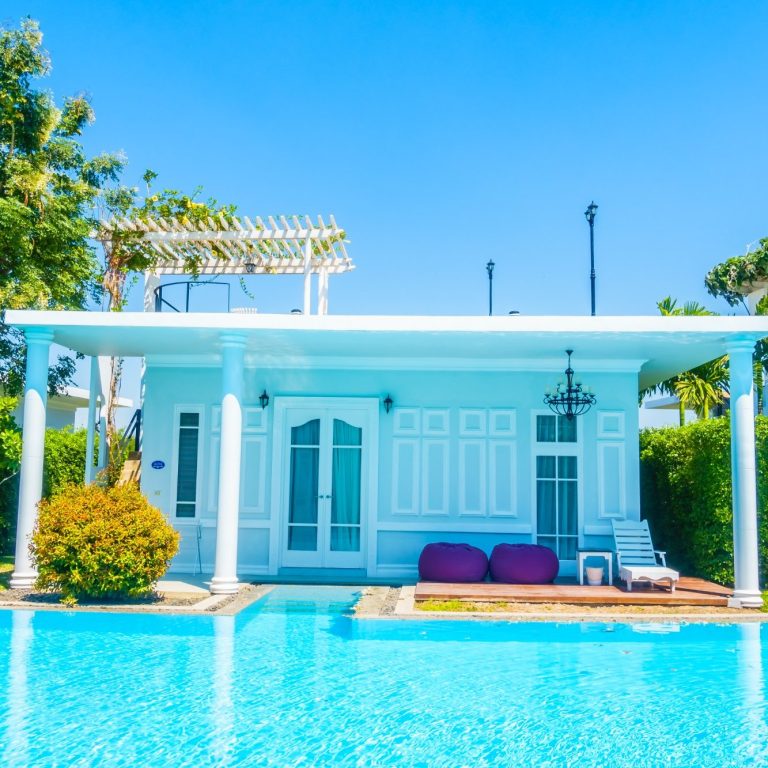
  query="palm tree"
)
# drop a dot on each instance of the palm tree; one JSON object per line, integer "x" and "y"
{"x": 702, "y": 388}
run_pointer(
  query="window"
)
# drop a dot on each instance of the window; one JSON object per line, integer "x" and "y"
{"x": 556, "y": 466}
{"x": 557, "y": 504}
{"x": 187, "y": 464}
{"x": 555, "y": 429}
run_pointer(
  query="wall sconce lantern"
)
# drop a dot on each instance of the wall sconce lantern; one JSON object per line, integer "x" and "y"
{"x": 569, "y": 398}
{"x": 250, "y": 267}
{"x": 388, "y": 402}
{"x": 264, "y": 399}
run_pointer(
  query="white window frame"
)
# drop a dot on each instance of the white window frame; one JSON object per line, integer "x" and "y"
{"x": 558, "y": 449}
{"x": 199, "y": 409}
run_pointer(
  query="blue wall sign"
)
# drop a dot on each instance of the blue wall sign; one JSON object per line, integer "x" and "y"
{"x": 158, "y": 464}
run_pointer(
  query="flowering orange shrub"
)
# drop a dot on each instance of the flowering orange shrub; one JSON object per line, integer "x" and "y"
{"x": 101, "y": 542}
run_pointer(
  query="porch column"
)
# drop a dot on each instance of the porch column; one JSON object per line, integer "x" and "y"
{"x": 90, "y": 436}
{"x": 225, "y": 573}
{"x": 308, "y": 277}
{"x": 32, "y": 449}
{"x": 322, "y": 292}
{"x": 151, "y": 284}
{"x": 105, "y": 367}
{"x": 743, "y": 478}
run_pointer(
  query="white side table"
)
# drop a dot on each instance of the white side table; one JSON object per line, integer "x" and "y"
{"x": 583, "y": 554}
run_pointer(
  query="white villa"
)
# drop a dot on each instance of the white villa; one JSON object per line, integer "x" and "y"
{"x": 336, "y": 447}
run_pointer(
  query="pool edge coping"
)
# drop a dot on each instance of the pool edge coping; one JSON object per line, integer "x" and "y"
{"x": 405, "y": 610}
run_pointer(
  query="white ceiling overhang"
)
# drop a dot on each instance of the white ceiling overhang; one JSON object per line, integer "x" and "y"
{"x": 657, "y": 347}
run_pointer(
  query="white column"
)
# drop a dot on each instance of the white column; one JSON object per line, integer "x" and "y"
{"x": 90, "y": 435}
{"x": 322, "y": 292}
{"x": 743, "y": 477}
{"x": 102, "y": 462}
{"x": 308, "y": 277}
{"x": 151, "y": 282}
{"x": 225, "y": 572}
{"x": 32, "y": 449}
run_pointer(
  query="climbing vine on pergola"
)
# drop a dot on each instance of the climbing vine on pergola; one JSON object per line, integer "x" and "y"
{"x": 740, "y": 275}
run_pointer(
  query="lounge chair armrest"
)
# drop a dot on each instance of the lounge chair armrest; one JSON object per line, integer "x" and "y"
{"x": 662, "y": 555}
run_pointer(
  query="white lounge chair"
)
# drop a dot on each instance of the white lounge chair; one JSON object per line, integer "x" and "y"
{"x": 636, "y": 557}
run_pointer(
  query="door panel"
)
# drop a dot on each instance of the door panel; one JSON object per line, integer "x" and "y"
{"x": 303, "y": 483}
{"x": 325, "y": 488}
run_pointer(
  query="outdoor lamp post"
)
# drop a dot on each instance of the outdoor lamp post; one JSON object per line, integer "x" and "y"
{"x": 590, "y": 214}
{"x": 489, "y": 267}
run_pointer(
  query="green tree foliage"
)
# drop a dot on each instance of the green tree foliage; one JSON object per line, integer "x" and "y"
{"x": 48, "y": 188}
{"x": 10, "y": 458}
{"x": 732, "y": 279}
{"x": 685, "y": 493}
{"x": 98, "y": 542}
{"x": 64, "y": 464}
{"x": 702, "y": 388}
{"x": 126, "y": 251}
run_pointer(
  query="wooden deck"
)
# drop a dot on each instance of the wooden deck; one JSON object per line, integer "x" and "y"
{"x": 689, "y": 591}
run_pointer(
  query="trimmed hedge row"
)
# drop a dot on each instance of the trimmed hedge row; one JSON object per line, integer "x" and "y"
{"x": 64, "y": 465}
{"x": 685, "y": 493}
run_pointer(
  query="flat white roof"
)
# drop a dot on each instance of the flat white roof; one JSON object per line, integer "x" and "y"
{"x": 77, "y": 397}
{"x": 657, "y": 347}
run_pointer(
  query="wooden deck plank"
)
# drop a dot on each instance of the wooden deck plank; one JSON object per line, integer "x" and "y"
{"x": 689, "y": 591}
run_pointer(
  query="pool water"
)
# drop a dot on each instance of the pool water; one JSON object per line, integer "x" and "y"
{"x": 295, "y": 681}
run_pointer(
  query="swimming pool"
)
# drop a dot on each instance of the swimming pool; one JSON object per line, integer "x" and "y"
{"x": 293, "y": 681}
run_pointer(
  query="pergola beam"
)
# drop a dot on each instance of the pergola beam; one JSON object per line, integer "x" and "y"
{"x": 228, "y": 245}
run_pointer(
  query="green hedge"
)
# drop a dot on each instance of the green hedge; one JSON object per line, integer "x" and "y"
{"x": 685, "y": 493}
{"x": 64, "y": 465}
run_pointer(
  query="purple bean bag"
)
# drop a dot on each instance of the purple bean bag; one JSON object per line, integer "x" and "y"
{"x": 523, "y": 564}
{"x": 442, "y": 561}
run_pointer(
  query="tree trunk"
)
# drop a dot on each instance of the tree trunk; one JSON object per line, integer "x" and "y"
{"x": 114, "y": 451}
{"x": 113, "y": 282}
{"x": 681, "y": 407}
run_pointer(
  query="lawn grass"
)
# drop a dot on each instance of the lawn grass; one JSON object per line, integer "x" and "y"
{"x": 764, "y": 609}
{"x": 465, "y": 606}
{"x": 6, "y": 569}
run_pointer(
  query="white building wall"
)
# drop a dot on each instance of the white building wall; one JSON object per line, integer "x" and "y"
{"x": 444, "y": 429}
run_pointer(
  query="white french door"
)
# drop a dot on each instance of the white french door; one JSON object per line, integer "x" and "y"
{"x": 325, "y": 494}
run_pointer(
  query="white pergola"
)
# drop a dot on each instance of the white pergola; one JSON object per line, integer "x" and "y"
{"x": 230, "y": 245}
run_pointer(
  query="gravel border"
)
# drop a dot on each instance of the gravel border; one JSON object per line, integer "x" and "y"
{"x": 189, "y": 604}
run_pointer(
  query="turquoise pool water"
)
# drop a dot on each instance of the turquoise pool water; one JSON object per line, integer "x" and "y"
{"x": 293, "y": 681}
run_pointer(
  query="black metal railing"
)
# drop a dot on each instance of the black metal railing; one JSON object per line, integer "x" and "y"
{"x": 133, "y": 432}
{"x": 161, "y": 300}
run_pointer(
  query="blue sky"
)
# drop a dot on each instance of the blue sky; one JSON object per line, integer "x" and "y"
{"x": 443, "y": 134}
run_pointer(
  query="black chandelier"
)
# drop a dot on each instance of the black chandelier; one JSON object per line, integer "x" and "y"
{"x": 569, "y": 399}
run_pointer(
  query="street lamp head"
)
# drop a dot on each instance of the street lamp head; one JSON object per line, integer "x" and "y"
{"x": 590, "y": 213}
{"x": 489, "y": 266}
